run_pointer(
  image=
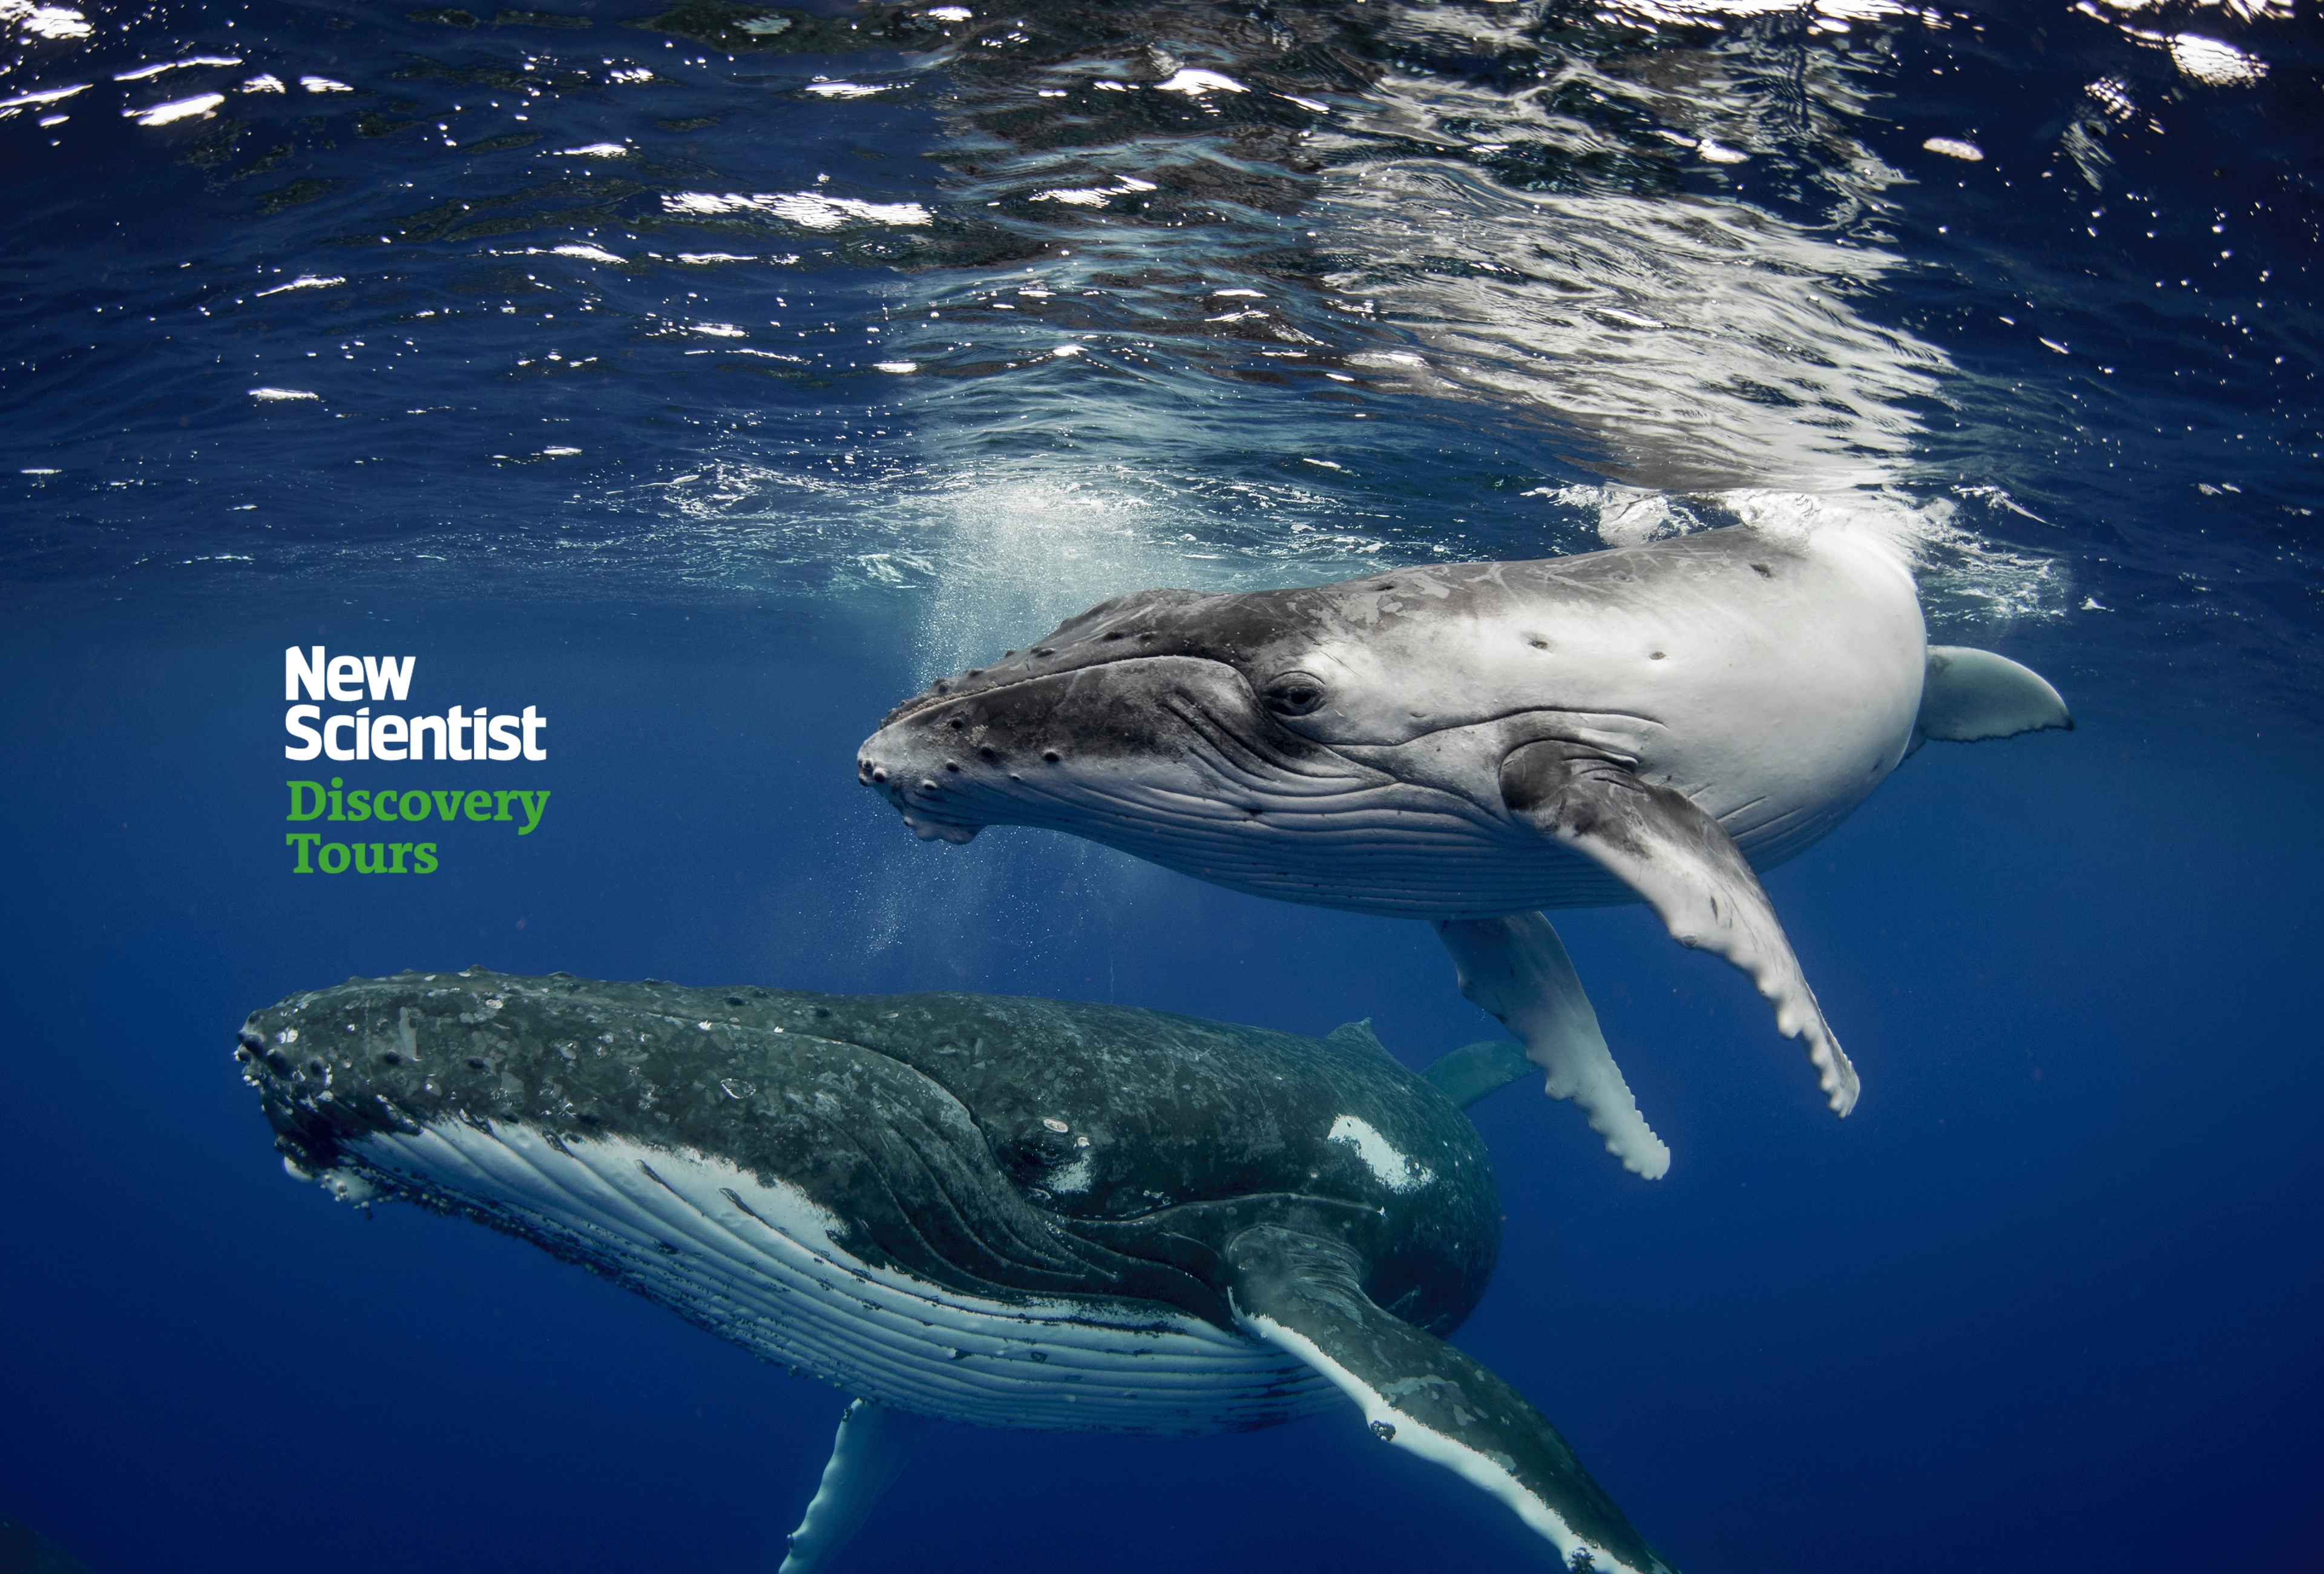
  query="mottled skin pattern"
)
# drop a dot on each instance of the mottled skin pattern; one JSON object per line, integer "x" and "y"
{"x": 918, "y": 1118}
{"x": 1010, "y": 1151}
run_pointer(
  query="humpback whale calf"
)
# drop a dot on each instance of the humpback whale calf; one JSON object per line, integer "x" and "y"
{"x": 1471, "y": 743}
{"x": 1006, "y": 1212}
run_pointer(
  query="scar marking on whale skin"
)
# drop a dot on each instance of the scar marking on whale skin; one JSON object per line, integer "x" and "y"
{"x": 1397, "y": 1173}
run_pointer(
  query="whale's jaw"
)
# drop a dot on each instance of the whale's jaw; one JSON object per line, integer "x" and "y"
{"x": 756, "y": 1262}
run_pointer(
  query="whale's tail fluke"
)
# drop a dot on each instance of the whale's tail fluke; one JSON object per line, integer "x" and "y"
{"x": 1968, "y": 695}
{"x": 1474, "y": 1072}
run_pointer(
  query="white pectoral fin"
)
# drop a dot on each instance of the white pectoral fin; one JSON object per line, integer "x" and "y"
{"x": 1516, "y": 967}
{"x": 1971, "y": 695}
{"x": 1302, "y": 1293}
{"x": 1687, "y": 869}
{"x": 873, "y": 1446}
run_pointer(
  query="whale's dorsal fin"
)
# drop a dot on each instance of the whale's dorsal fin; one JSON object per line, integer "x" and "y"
{"x": 873, "y": 1446}
{"x": 1684, "y": 865}
{"x": 1359, "y": 1035}
{"x": 1303, "y": 1294}
{"x": 1971, "y": 695}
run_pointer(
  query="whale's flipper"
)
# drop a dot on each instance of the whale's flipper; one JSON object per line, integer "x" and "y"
{"x": 1516, "y": 969}
{"x": 1971, "y": 695}
{"x": 1683, "y": 866}
{"x": 1301, "y": 1294}
{"x": 873, "y": 1446}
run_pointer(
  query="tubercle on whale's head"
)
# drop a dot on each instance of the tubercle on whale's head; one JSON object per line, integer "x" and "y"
{"x": 1124, "y": 688}
{"x": 335, "y": 1066}
{"x": 338, "y": 1067}
{"x": 1126, "y": 742}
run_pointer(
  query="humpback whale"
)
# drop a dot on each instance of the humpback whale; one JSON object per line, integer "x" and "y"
{"x": 1471, "y": 743}
{"x": 998, "y": 1211}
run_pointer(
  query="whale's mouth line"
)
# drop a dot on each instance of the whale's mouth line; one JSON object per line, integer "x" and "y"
{"x": 1252, "y": 798}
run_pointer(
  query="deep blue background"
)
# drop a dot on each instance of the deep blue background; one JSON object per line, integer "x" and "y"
{"x": 2048, "y": 1299}
{"x": 2045, "y": 1300}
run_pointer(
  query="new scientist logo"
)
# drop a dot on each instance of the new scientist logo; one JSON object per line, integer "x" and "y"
{"x": 371, "y": 733}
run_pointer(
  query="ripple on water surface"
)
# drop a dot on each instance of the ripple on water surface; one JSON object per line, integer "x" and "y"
{"x": 1012, "y": 309}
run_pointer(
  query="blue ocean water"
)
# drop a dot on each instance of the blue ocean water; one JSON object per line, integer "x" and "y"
{"x": 710, "y": 388}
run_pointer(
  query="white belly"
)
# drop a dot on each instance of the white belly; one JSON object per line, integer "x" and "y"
{"x": 764, "y": 1266}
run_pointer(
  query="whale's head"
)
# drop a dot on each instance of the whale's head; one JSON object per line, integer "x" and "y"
{"x": 362, "y": 1082}
{"x": 1162, "y": 716}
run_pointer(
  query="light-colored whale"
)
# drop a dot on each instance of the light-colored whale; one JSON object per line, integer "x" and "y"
{"x": 1470, "y": 743}
{"x": 1005, "y": 1212}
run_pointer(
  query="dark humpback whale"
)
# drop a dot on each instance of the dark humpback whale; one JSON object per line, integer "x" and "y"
{"x": 1006, "y": 1212}
{"x": 1468, "y": 743}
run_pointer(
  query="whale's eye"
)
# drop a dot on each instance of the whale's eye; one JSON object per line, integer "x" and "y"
{"x": 1294, "y": 694}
